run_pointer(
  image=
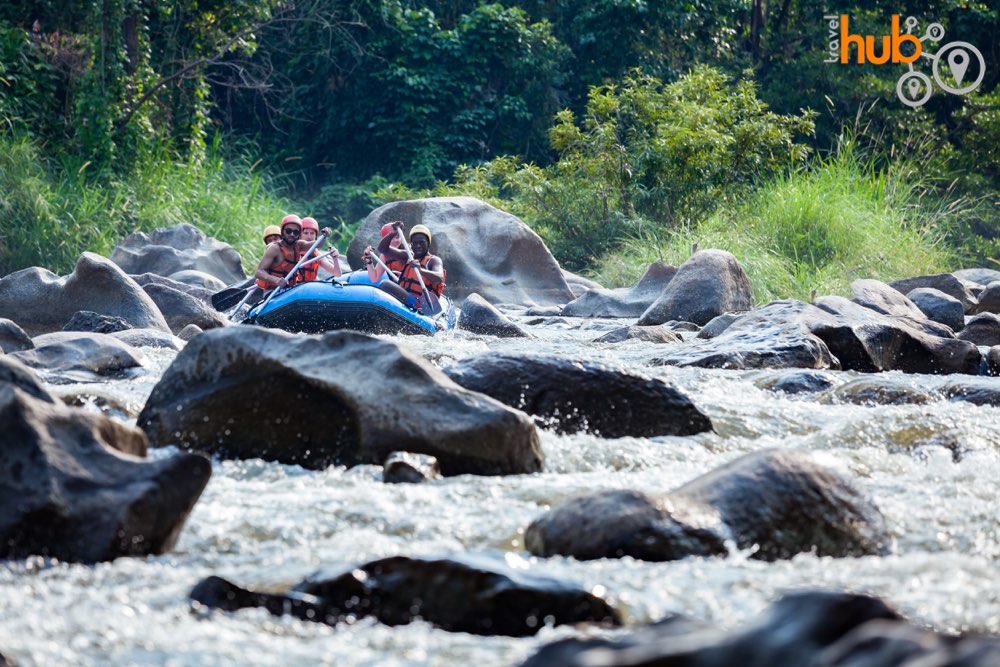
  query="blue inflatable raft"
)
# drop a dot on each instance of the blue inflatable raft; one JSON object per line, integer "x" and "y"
{"x": 353, "y": 302}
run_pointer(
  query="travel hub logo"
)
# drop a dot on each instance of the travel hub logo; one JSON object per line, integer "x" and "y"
{"x": 957, "y": 67}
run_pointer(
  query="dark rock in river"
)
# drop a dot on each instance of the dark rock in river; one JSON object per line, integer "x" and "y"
{"x": 993, "y": 361}
{"x": 938, "y": 306}
{"x": 89, "y": 321}
{"x": 484, "y": 250}
{"x": 884, "y": 299}
{"x": 989, "y": 299}
{"x": 942, "y": 282}
{"x": 655, "y": 334}
{"x": 470, "y": 595}
{"x": 710, "y": 283}
{"x": 42, "y": 302}
{"x": 170, "y": 250}
{"x": 80, "y": 357}
{"x": 799, "y": 382}
{"x": 479, "y": 316}
{"x": 12, "y": 337}
{"x": 575, "y": 395}
{"x": 343, "y": 398}
{"x": 181, "y": 309}
{"x": 200, "y": 293}
{"x": 718, "y": 324}
{"x": 65, "y": 492}
{"x": 15, "y": 373}
{"x": 410, "y": 468}
{"x": 881, "y": 391}
{"x": 978, "y": 391}
{"x": 983, "y": 329}
{"x": 623, "y": 302}
{"x": 779, "y": 502}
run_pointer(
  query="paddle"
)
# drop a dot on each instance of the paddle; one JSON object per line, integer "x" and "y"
{"x": 432, "y": 305}
{"x": 250, "y": 293}
{"x": 224, "y": 299}
{"x": 389, "y": 272}
{"x": 321, "y": 240}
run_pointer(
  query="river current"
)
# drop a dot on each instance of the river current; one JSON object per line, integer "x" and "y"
{"x": 933, "y": 469}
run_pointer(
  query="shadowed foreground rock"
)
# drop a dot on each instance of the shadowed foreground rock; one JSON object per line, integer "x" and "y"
{"x": 778, "y": 502}
{"x": 65, "y": 492}
{"x": 468, "y": 595}
{"x": 811, "y": 629}
{"x": 249, "y": 392}
{"x": 582, "y": 395}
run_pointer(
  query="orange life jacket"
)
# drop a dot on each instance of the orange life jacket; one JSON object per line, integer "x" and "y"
{"x": 308, "y": 273}
{"x": 289, "y": 258}
{"x": 395, "y": 265}
{"x": 408, "y": 279}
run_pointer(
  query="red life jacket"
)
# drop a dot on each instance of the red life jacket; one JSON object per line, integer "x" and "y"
{"x": 289, "y": 258}
{"x": 408, "y": 279}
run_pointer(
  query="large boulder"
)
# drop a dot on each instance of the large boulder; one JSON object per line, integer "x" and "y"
{"x": 181, "y": 309}
{"x": 42, "y": 302}
{"x": 943, "y": 282}
{"x": 884, "y": 299}
{"x": 989, "y": 299}
{"x": 778, "y": 502}
{"x": 171, "y": 250}
{"x": 938, "y": 306}
{"x": 12, "y": 337}
{"x": 465, "y": 594}
{"x": 146, "y": 279}
{"x": 484, "y": 250}
{"x": 479, "y": 316}
{"x": 576, "y": 395}
{"x": 626, "y": 301}
{"x": 710, "y": 283}
{"x": 342, "y": 398}
{"x": 74, "y": 356}
{"x": 67, "y": 490}
{"x": 980, "y": 276}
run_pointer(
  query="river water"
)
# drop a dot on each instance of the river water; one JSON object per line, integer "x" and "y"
{"x": 933, "y": 469}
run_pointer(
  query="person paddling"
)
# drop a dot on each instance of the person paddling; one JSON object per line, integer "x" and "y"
{"x": 281, "y": 257}
{"x": 310, "y": 232}
{"x": 424, "y": 267}
{"x": 375, "y": 270}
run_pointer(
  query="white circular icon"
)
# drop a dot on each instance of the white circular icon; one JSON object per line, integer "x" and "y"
{"x": 935, "y": 32}
{"x": 913, "y": 89}
{"x": 958, "y": 55}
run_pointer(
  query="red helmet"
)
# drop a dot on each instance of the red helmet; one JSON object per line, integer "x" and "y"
{"x": 290, "y": 219}
{"x": 310, "y": 223}
{"x": 386, "y": 229}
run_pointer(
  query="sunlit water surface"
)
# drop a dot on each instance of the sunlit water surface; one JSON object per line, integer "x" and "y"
{"x": 933, "y": 469}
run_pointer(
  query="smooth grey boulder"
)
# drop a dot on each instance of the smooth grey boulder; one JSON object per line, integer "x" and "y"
{"x": 708, "y": 284}
{"x": 198, "y": 279}
{"x": 623, "y": 302}
{"x": 96, "y": 284}
{"x": 181, "y": 309}
{"x": 777, "y": 502}
{"x": 656, "y": 334}
{"x": 484, "y": 250}
{"x": 410, "y": 468}
{"x": 458, "y": 594}
{"x": 149, "y": 338}
{"x": 89, "y": 321}
{"x": 938, "y": 306}
{"x": 68, "y": 491}
{"x": 14, "y": 373}
{"x": 577, "y": 395}
{"x": 980, "y": 276}
{"x": 717, "y": 325}
{"x": 479, "y": 316}
{"x": 12, "y": 337}
{"x": 578, "y": 284}
{"x": 942, "y": 282}
{"x": 167, "y": 251}
{"x": 777, "y": 335}
{"x": 989, "y": 299}
{"x": 200, "y": 293}
{"x": 882, "y": 298}
{"x": 225, "y": 388}
{"x": 983, "y": 329}
{"x": 74, "y": 356}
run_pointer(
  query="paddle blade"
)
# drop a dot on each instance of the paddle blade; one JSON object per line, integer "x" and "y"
{"x": 431, "y": 304}
{"x": 227, "y": 298}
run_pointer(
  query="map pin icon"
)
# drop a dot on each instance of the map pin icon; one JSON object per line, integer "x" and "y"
{"x": 914, "y": 87}
{"x": 958, "y": 61}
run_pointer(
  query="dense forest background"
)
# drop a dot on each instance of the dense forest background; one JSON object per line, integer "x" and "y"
{"x": 621, "y": 130}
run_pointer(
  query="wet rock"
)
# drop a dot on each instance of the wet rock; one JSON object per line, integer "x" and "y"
{"x": 72, "y": 356}
{"x": 409, "y": 468}
{"x": 574, "y": 395}
{"x": 710, "y": 283}
{"x": 623, "y": 302}
{"x": 15, "y": 373}
{"x": 774, "y": 336}
{"x": 458, "y": 595}
{"x": 87, "y": 320}
{"x": 484, "y": 250}
{"x": 983, "y": 329}
{"x": 942, "y": 282}
{"x": 989, "y": 299}
{"x": 189, "y": 332}
{"x": 799, "y": 382}
{"x": 149, "y": 338}
{"x": 244, "y": 392}
{"x": 718, "y": 324}
{"x": 881, "y": 391}
{"x": 170, "y": 250}
{"x": 578, "y": 284}
{"x": 544, "y": 311}
{"x": 12, "y": 337}
{"x": 180, "y": 309}
{"x": 200, "y": 293}
{"x": 77, "y": 499}
{"x": 96, "y": 284}
{"x": 938, "y": 306}
{"x": 689, "y": 327}
{"x": 979, "y": 276}
{"x": 198, "y": 279}
{"x": 992, "y": 359}
{"x": 978, "y": 391}
{"x": 655, "y": 334}
{"x": 882, "y": 298}
{"x": 478, "y": 316}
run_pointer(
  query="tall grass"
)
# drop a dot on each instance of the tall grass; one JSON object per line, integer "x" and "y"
{"x": 52, "y": 210}
{"x": 821, "y": 228}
